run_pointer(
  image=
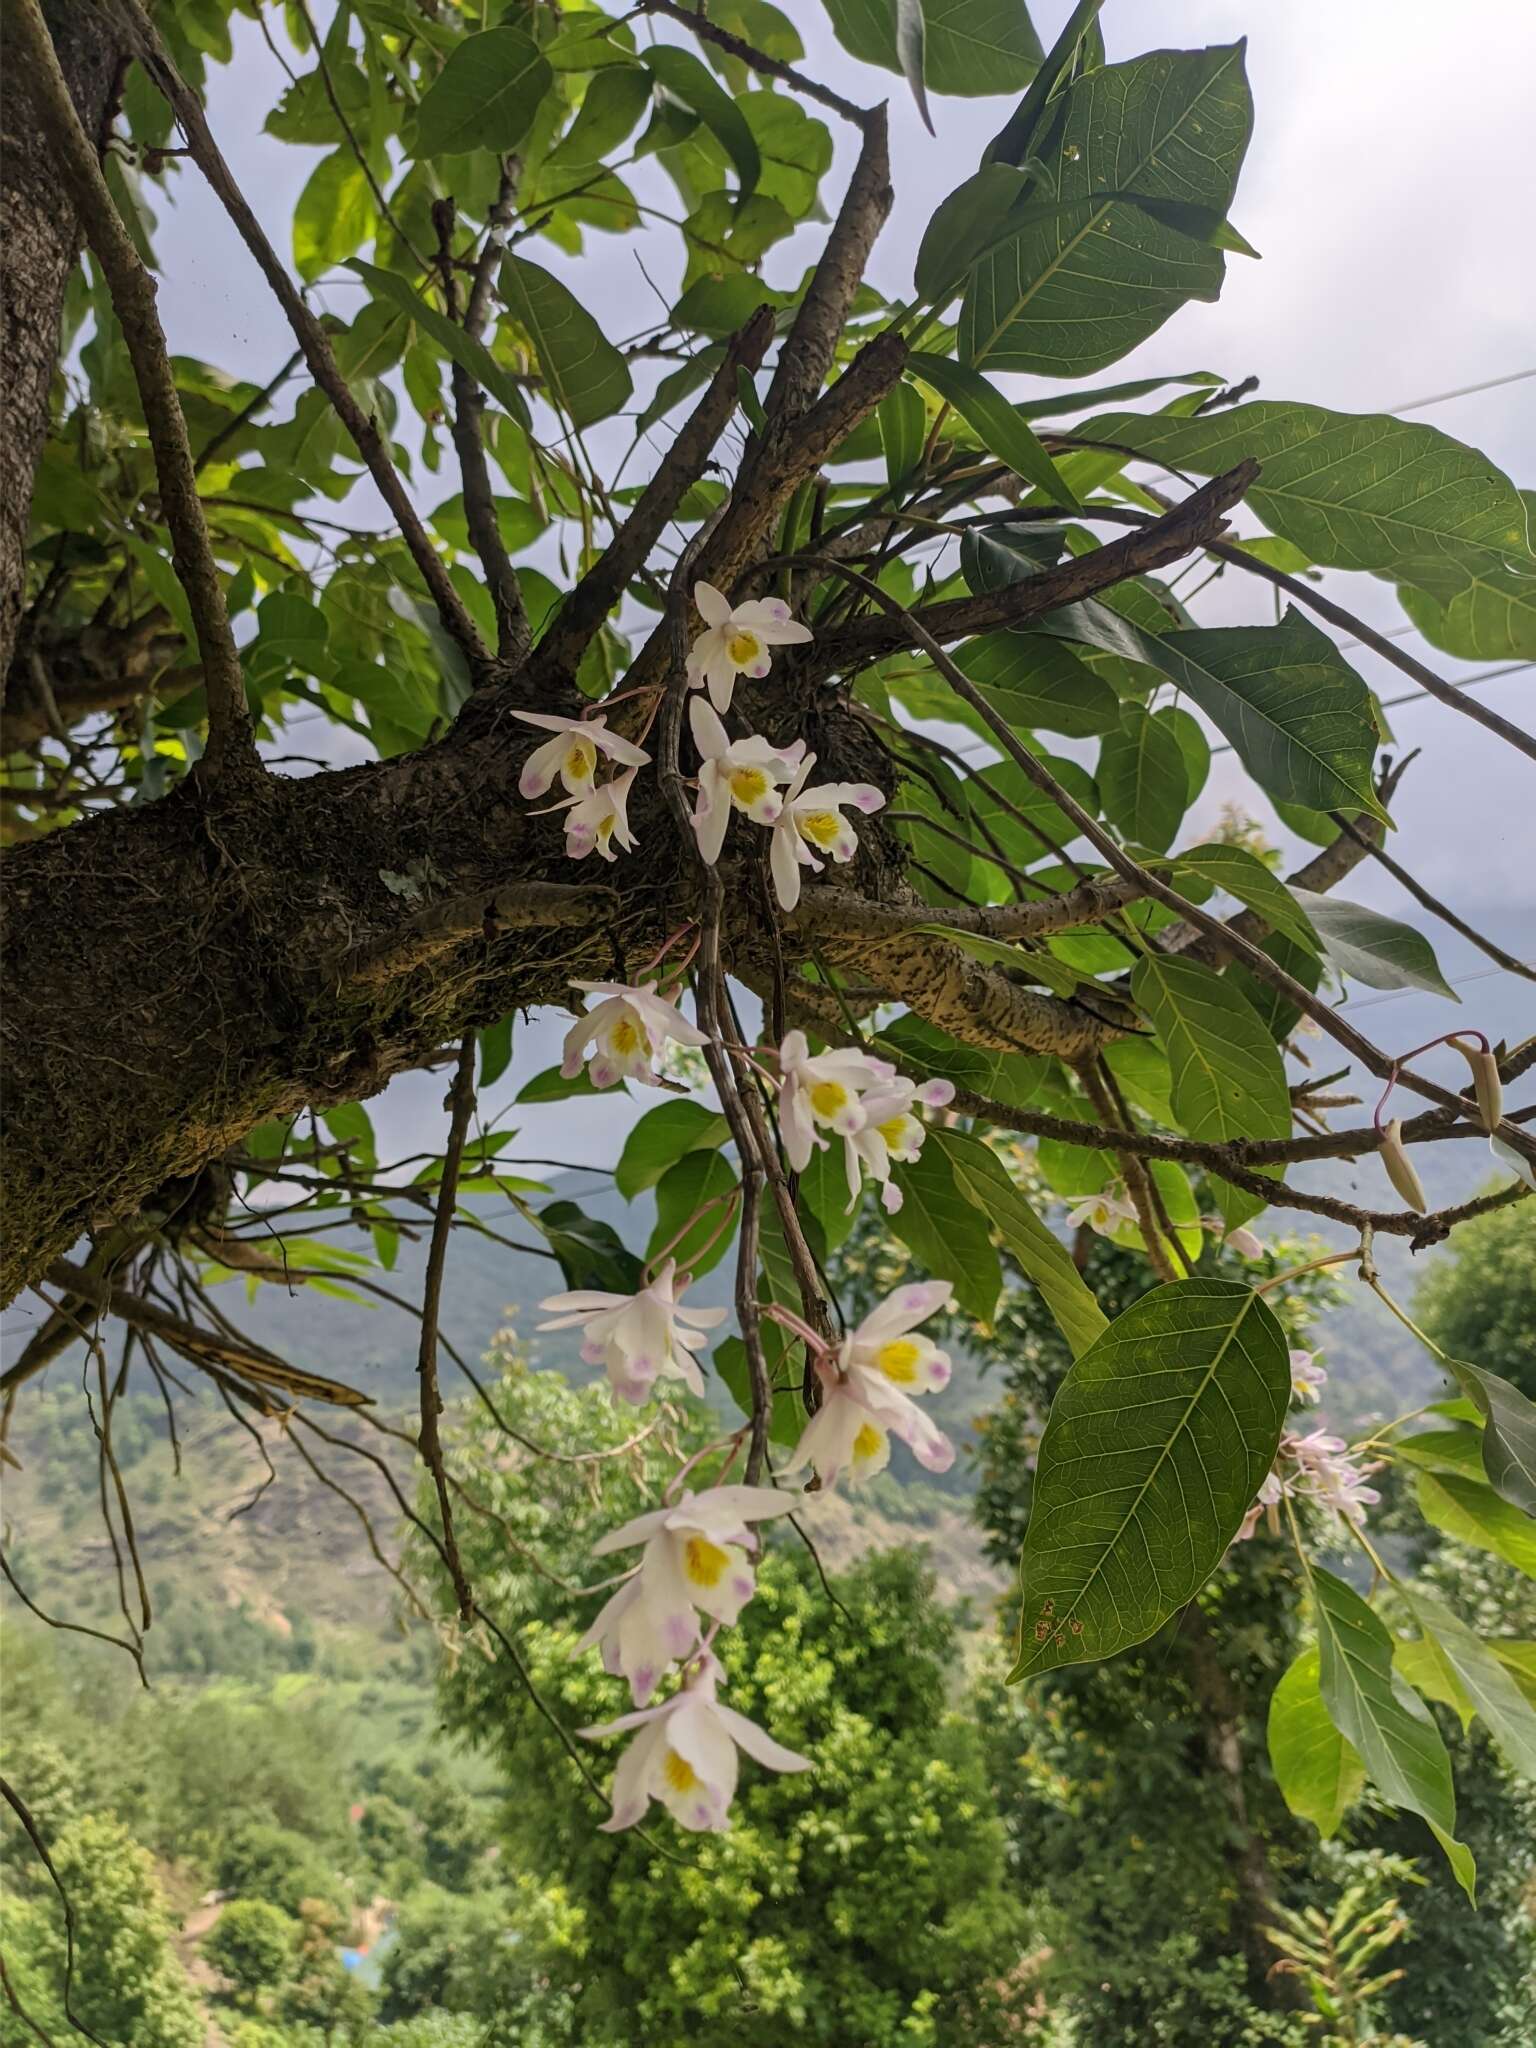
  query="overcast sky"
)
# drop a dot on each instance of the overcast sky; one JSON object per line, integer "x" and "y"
{"x": 1388, "y": 176}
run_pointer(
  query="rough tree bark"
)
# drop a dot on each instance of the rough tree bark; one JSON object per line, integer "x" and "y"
{"x": 40, "y": 244}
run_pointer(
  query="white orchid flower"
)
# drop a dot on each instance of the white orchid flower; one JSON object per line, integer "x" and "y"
{"x": 868, "y": 1390}
{"x": 572, "y": 754}
{"x": 1240, "y": 1240}
{"x": 736, "y": 640}
{"x": 686, "y": 1755}
{"x": 1308, "y": 1378}
{"x": 637, "y": 1338}
{"x": 743, "y": 775}
{"x": 627, "y": 1030}
{"x": 823, "y": 1091}
{"x": 891, "y": 1133}
{"x": 1103, "y": 1213}
{"x": 1517, "y": 1163}
{"x": 813, "y": 818}
{"x": 1319, "y": 1468}
{"x": 600, "y": 819}
{"x": 696, "y": 1561}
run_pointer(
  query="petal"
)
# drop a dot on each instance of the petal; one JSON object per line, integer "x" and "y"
{"x": 759, "y": 1745}
{"x": 713, "y": 815}
{"x": 549, "y": 721}
{"x": 784, "y": 861}
{"x": 630, "y": 1793}
{"x": 714, "y": 607}
{"x": 758, "y": 612}
{"x": 541, "y": 768}
{"x": 721, "y": 678}
{"x": 616, "y": 747}
{"x": 640, "y": 1530}
{"x": 709, "y": 735}
{"x": 761, "y": 665}
{"x": 748, "y": 1503}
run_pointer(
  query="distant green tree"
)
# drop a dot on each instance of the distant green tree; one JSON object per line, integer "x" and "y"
{"x": 260, "y": 1861}
{"x": 1480, "y": 1302}
{"x": 253, "y": 1944}
{"x": 452, "y": 1952}
{"x": 864, "y": 1901}
{"x": 128, "y": 1987}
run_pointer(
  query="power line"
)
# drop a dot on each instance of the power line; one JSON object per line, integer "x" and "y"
{"x": 1465, "y": 391}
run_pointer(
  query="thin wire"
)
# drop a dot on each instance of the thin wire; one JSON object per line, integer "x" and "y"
{"x": 1465, "y": 391}
{"x": 1371, "y": 1002}
{"x": 1412, "y": 696}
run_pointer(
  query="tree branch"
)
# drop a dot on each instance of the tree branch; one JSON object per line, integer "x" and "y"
{"x": 843, "y": 912}
{"x": 461, "y": 1103}
{"x": 1431, "y": 903}
{"x": 757, "y": 60}
{"x": 205, "y": 153}
{"x": 230, "y": 736}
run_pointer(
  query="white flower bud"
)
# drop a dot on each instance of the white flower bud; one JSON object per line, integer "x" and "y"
{"x": 1485, "y": 1078}
{"x": 1394, "y": 1157}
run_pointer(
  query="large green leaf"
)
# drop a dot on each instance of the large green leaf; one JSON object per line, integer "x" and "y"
{"x": 661, "y": 1137}
{"x": 996, "y": 424}
{"x": 1375, "y": 1710}
{"x": 1509, "y": 1432}
{"x": 590, "y": 1251}
{"x": 485, "y": 96}
{"x": 334, "y": 215}
{"x": 1157, "y": 1443}
{"x": 1351, "y": 490}
{"x": 1146, "y": 163}
{"x": 1228, "y": 1078}
{"x": 1037, "y": 683}
{"x": 1318, "y": 1770}
{"x": 584, "y": 373}
{"x": 1474, "y": 608}
{"x": 1143, "y": 780}
{"x": 688, "y": 80}
{"x": 1243, "y": 875}
{"x": 1040, "y": 1255}
{"x": 1373, "y": 948}
{"x": 1487, "y": 1683}
{"x": 965, "y": 225}
{"x": 948, "y": 1237}
{"x": 1298, "y": 716}
{"x": 458, "y": 346}
{"x": 1475, "y": 1514}
{"x": 613, "y": 103}
{"x": 690, "y": 1185}
{"x": 971, "y": 47}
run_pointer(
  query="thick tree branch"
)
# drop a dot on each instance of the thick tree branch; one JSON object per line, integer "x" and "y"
{"x": 205, "y": 153}
{"x": 485, "y": 913}
{"x": 1156, "y": 543}
{"x": 230, "y": 734}
{"x": 844, "y": 913}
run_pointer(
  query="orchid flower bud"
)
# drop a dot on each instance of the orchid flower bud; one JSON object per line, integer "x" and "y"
{"x": 1485, "y": 1078}
{"x": 1394, "y": 1157}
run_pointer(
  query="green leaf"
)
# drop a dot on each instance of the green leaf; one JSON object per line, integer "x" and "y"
{"x": 334, "y": 215}
{"x": 995, "y": 423}
{"x": 661, "y": 1137}
{"x": 460, "y": 347}
{"x": 495, "y": 1050}
{"x": 1372, "y": 948}
{"x": 966, "y": 225}
{"x": 1318, "y": 1770}
{"x": 689, "y": 81}
{"x": 591, "y": 1252}
{"x": 1385, "y": 1719}
{"x": 694, "y": 1180}
{"x": 1037, "y": 683}
{"x": 1243, "y": 875}
{"x": 1352, "y": 490}
{"x": 552, "y": 1086}
{"x": 612, "y": 104}
{"x": 903, "y": 431}
{"x": 1421, "y": 1663}
{"x": 1156, "y": 1445}
{"x": 1040, "y": 1255}
{"x": 1298, "y": 715}
{"x": 1509, "y": 1432}
{"x": 1474, "y": 608}
{"x": 996, "y": 557}
{"x": 920, "y": 1048}
{"x": 485, "y": 96}
{"x": 1228, "y": 1079}
{"x": 1475, "y": 1514}
{"x": 584, "y": 373}
{"x": 1142, "y": 778}
{"x": 1485, "y": 1682}
{"x": 973, "y": 47}
{"x": 910, "y": 35}
{"x": 1101, "y": 270}
{"x": 1444, "y": 1450}
{"x": 944, "y": 1233}
{"x": 1519, "y": 1659}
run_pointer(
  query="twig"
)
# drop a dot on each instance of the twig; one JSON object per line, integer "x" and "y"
{"x": 247, "y": 413}
{"x": 15, "y": 1802}
{"x": 77, "y": 1628}
{"x": 461, "y": 1102}
{"x": 230, "y": 735}
{"x": 1138, "y": 1182}
{"x": 696, "y": 20}
{"x": 1433, "y": 904}
{"x": 205, "y": 153}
